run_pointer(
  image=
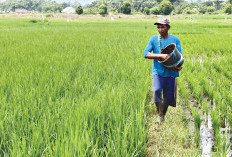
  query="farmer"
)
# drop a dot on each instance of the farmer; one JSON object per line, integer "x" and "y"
{"x": 163, "y": 79}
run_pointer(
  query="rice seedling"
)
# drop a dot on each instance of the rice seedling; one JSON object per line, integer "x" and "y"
{"x": 205, "y": 108}
{"x": 197, "y": 125}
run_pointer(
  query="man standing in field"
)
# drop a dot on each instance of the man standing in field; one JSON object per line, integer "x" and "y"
{"x": 163, "y": 79}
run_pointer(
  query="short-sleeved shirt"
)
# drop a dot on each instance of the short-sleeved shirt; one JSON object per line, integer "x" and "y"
{"x": 153, "y": 45}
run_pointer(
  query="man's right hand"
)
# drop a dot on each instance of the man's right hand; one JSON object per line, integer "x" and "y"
{"x": 177, "y": 68}
{"x": 163, "y": 56}
{"x": 158, "y": 56}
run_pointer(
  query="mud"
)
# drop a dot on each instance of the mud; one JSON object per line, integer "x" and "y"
{"x": 206, "y": 136}
{"x": 189, "y": 115}
{"x": 225, "y": 132}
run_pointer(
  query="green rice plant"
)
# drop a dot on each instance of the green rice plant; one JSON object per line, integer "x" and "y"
{"x": 229, "y": 116}
{"x": 215, "y": 121}
{"x": 194, "y": 86}
{"x": 197, "y": 125}
{"x": 205, "y": 108}
{"x": 218, "y": 143}
{"x": 61, "y": 95}
{"x": 223, "y": 113}
{"x": 221, "y": 144}
{"x": 225, "y": 145}
{"x": 212, "y": 74}
{"x": 183, "y": 91}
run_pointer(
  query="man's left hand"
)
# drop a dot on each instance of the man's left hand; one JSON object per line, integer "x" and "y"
{"x": 177, "y": 68}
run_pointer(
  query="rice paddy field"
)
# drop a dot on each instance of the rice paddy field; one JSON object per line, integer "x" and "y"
{"x": 82, "y": 88}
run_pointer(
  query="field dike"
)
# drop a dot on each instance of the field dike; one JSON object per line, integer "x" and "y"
{"x": 175, "y": 136}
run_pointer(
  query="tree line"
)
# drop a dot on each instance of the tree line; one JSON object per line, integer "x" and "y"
{"x": 103, "y": 7}
{"x": 35, "y": 5}
{"x": 158, "y": 7}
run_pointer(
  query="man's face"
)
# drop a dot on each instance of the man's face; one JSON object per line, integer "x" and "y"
{"x": 162, "y": 29}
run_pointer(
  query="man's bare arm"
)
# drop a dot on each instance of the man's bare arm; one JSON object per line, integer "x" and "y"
{"x": 156, "y": 56}
{"x": 161, "y": 57}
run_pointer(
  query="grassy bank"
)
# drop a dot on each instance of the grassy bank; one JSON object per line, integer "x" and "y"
{"x": 174, "y": 137}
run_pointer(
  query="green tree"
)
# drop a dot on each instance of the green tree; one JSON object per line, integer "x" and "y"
{"x": 179, "y": 9}
{"x": 202, "y": 10}
{"x": 228, "y": 8}
{"x": 189, "y": 11}
{"x": 210, "y": 9}
{"x": 91, "y": 11}
{"x": 112, "y": 10}
{"x": 177, "y": 2}
{"x": 146, "y": 11}
{"x": 64, "y": 5}
{"x": 79, "y": 10}
{"x": 51, "y": 7}
{"x": 218, "y": 4}
{"x": 208, "y": 3}
{"x": 102, "y": 10}
{"x": 11, "y": 5}
{"x": 194, "y": 6}
{"x": 126, "y": 7}
{"x": 154, "y": 11}
{"x": 142, "y": 4}
{"x": 165, "y": 7}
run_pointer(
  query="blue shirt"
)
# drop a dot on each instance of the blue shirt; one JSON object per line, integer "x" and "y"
{"x": 153, "y": 45}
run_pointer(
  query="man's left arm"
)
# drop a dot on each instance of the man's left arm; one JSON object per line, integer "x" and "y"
{"x": 178, "y": 46}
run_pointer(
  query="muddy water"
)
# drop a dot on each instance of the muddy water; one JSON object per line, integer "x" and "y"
{"x": 206, "y": 137}
{"x": 191, "y": 122}
{"x": 226, "y": 132}
{"x": 229, "y": 141}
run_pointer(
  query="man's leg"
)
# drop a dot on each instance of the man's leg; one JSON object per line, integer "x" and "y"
{"x": 169, "y": 92}
{"x": 158, "y": 106}
{"x": 163, "y": 112}
{"x": 162, "y": 109}
{"x": 169, "y": 95}
{"x": 157, "y": 84}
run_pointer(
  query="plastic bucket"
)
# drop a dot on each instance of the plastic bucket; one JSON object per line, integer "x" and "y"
{"x": 175, "y": 57}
